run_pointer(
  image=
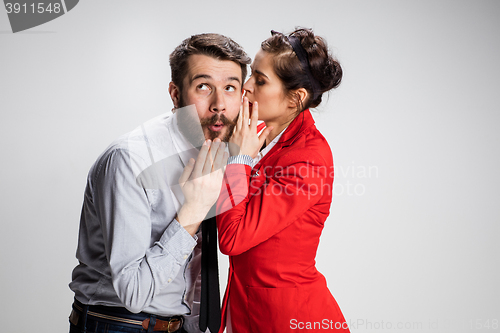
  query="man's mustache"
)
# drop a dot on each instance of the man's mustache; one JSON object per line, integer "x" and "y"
{"x": 217, "y": 118}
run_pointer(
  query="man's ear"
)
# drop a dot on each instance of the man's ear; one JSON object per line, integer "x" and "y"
{"x": 175, "y": 94}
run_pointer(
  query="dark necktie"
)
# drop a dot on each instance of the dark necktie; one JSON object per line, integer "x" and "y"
{"x": 210, "y": 315}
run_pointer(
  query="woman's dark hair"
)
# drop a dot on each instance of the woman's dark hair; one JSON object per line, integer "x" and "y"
{"x": 325, "y": 70}
{"x": 213, "y": 45}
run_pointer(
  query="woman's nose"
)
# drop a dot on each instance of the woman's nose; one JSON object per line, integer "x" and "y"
{"x": 248, "y": 86}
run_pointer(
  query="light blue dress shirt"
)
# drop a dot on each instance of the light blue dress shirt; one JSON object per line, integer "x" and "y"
{"x": 131, "y": 250}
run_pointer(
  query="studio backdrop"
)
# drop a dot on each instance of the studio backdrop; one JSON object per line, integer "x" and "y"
{"x": 411, "y": 244}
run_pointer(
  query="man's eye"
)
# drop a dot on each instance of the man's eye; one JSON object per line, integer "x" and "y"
{"x": 203, "y": 86}
{"x": 230, "y": 88}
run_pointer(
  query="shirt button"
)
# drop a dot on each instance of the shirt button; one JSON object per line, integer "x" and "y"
{"x": 169, "y": 280}
{"x": 185, "y": 256}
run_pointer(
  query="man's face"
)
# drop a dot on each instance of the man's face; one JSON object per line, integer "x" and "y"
{"x": 214, "y": 87}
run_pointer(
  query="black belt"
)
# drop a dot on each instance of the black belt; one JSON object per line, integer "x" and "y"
{"x": 121, "y": 316}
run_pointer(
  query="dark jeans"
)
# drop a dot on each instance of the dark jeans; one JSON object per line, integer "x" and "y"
{"x": 80, "y": 322}
{"x": 94, "y": 326}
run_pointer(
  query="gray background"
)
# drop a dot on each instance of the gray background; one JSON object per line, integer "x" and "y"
{"x": 411, "y": 244}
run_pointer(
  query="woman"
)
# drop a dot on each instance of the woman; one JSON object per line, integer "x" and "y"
{"x": 278, "y": 191}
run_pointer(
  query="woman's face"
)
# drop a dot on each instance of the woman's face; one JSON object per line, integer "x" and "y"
{"x": 265, "y": 87}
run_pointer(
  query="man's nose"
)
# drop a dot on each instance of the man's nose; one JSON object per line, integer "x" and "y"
{"x": 218, "y": 102}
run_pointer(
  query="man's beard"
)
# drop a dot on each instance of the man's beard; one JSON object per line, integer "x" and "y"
{"x": 194, "y": 128}
{"x": 218, "y": 118}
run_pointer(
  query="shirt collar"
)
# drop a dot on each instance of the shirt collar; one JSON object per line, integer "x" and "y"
{"x": 182, "y": 145}
{"x": 264, "y": 151}
{"x": 290, "y": 134}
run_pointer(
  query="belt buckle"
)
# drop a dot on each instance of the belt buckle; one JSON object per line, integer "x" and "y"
{"x": 172, "y": 321}
{"x": 169, "y": 326}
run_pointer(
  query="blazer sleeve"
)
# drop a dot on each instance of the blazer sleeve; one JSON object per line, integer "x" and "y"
{"x": 250, "y": 211}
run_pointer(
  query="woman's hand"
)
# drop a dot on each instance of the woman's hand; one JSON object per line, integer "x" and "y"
{"x": 245, "y": 139}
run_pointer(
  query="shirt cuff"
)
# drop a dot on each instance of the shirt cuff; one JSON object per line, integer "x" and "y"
{"x": 240, "y": 159}
{"x": 177, "y": 241}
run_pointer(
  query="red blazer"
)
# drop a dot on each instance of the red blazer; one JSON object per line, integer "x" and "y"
{"x": 270, "y": 219}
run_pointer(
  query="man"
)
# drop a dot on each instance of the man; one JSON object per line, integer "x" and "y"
{"x": 139, "y": 243}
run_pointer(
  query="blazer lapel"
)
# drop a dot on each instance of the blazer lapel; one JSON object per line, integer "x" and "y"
{"x": 294, "y": 131}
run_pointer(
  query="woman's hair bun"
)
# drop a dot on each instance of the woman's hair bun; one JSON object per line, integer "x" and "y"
{"x": 325, "y": 70}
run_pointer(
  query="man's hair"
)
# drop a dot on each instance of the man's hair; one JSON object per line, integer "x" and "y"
{"x": 213, "y": 45}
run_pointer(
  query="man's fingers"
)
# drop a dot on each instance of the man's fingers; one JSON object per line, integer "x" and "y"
{"x": 209, "y": 161}
{"x": 188, "y": 169}
{"x": 219, "y": 172}
{"x": 213, "y": 148}
{"x": 201, "y": 159}
{"x": 219, "y": 157}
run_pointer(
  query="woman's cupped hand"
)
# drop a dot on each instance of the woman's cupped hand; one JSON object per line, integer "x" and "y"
{"x": 246, "y": 139}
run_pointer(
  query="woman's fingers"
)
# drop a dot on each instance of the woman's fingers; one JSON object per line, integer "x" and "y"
{"x": 246, "y": 113}
{"x": 264, "y": 134}
{"x": 254, "y": 118}
{"x": 239, "y": 121}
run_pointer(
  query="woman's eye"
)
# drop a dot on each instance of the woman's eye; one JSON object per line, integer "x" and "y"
{"x": 260, "y": 82}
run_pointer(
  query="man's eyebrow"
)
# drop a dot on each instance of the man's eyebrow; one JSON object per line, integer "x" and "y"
{"x": 234, "y": 78}
{"x": 208, "y": 77}
{"x": 201, "y": 76}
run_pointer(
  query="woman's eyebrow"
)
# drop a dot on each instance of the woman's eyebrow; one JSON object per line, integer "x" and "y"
{"x": 260, "y": 73}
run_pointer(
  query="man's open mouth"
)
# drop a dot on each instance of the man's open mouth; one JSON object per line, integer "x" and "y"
{"x": 216, "y": 127}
